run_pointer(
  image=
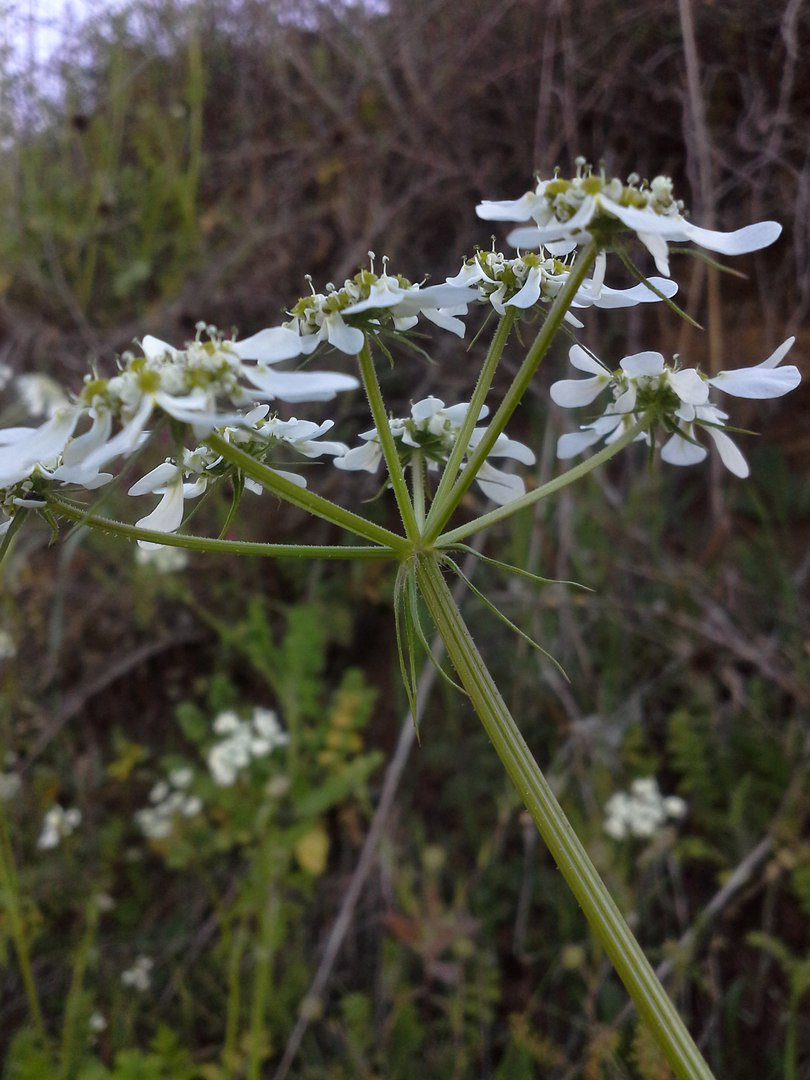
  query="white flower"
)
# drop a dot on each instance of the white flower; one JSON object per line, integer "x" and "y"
{"x": 341, "y": 317}
{"x": 573, "y": 210}
{"x": 10, "y": 785}
{"x": 642, "y": 811}
{"x": 162, "y": 559}
{"x": 431, "y": 430}
{"x": 40, "y": 394}
{"x": 675, "y": 398}
{"x": 58, "y": 824}
{"x": 244, "y": 740}
{"x": 8, "y": 648}
{"x": 168, "y": 800}
{"x": 530, "y": 279}
{"x": 96, "y": 1022}
{"x": 24, "y": 450}
{"x": 139, "y": 976}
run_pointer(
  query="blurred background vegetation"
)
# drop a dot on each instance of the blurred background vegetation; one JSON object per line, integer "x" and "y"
{"x": 178, "y": 161}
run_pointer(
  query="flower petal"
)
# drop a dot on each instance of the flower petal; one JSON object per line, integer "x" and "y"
{"x": 583, "y": 361}
{"x": 679, "y": 451}
{"x": 521, "y": 209}
{"x": 758, "y": 382}
{"x": 729, "y": 452}
{"x": 571, "y": 393}
{"x": 575, "y": 442}
{"x": 643, "y": 363}
{"x": 530, "y": 293}
{"x": 500, "y": 486}
{"x": 346, "y": 338}
{"x": 295, "y": 386}
{"x": 740, "y": 242}
{"x": 270, "y": 345}
{"x": 689, "y": 386}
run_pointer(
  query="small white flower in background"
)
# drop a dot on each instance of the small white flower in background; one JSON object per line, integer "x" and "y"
{"x": 569, "y": 212}
{"x": 242, "y": 742}
{"x": 40, "y": 394}
{"x": 169, "y": 801}
{"x": 529, "y": 279}
{"x": 96, "y": 1022}
{"x": 641, "y": 811}
{"x": 58, "y": 824}
{"x": 431, "y": 430}
{"x": 8, "y": 648}
{"x": 162, "y": 559}
{"x": 10, "y": 786}
{"x": 676, "y": 398}
{"x": 139, "y": 976}
{"x": 6, "y": 375}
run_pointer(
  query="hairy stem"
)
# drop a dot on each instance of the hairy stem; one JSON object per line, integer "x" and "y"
{"x": 632, "y": 966}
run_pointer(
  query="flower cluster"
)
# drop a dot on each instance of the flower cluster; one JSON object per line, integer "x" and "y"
{"x": 431, "y": 432}
{"x": 58, "y": 824}
{"x": 162, "y": 559}
{"x": 531, "y": 278}
{"x": 139, "y": 976}
{"x": 646, "y": 388}
{"x": 168, "y": 800}
{"x": 641, "y": 811}
{"x": 367, "y": 303}
{"x": 568, "y": 212}
{"x": 259, "y": 435}
{"x": 242, "y": 742}
{"x": 213, "y": 383}
{"x": 10, "y": 780}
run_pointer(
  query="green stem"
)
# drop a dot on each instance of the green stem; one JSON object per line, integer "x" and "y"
{"x": 485, "y": 377}
{"x": 389, "y": 447}
{"x": 514, "y": 394}
{"x": 418, "y": 485}
{"x": 263, "y": 953}
{"x": 305, "y": 500}
{"x": 649, "y": 996}
{"x": 10, "y": 900}
{"x": 531, "y": 497}
{"x": 213, "y": 546}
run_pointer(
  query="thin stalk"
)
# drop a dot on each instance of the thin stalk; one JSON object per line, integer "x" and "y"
{"x": 215, "y": 546}
{"x": 651, "y": 1000}
{"x": 418, "y": 486}
{"x": 69, "y": 1051}
{"x": 531, "y": 497}
{"x": 389, "y": 447}
{"x": 263, "y": 952}
{"x": 514, "y": 395}
{"x": 305, "y": 500}
{"x": 10, "y": 900}
{"x": 485, "y": 377}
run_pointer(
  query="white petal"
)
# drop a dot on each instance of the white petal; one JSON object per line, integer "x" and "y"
{"x": 127, "y": 439}
{"x": 295, "y": 386}
{"x": 521, "y": 209}
{"x": 583, "y": 361}
{"x": 570, "y": 445}
{"x": 445, "y": 295}
{"x": 758, "y": 382}
{"x": 365, "y": 457}
{"x": 559, "y": 230}
{"x": 779, "y": 354}
{"x": 427, "y": 407}
{"x": 657, "y": 247}
{"x": 381, "y": 295}
{"x": 689, "y": 386}
{"x": 530, "y": 293}
{"x": 679, "y": 451}
{"x": 640, "y": 221}
{"x": 626, "y": 402}
{"x": 561, "y": 248}
{"x": 406, "y": 323}
{"x": 729, "y": 453}
{"x": 167, "y": 515}
{"x": 571, "y": 393}
{"x": 511, "y": 448}
{"x": 163, "y": 474}
{"x": 643, "y": 363}
{"x": 598, "y": 279}
{"x": 638, "y": 294}
{"x": 739, "y": 242}
{"x": 346, "y": 338}
{"x": 499, "y": 486}
{"x": 43, "y": 444}
{"x": 441, "y": 318}
{"x": 469, "y": 274}
{"x": 154, "y": 348}
{"x": 270, "y": 345}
